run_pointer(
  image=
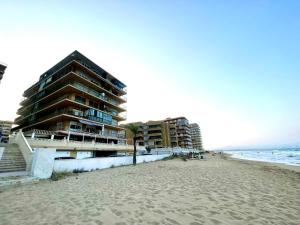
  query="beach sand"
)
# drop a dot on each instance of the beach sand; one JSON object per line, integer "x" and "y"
{"x": 216, "y": 190}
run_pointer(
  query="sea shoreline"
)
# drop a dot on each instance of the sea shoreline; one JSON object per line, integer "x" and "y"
{"x": 280, "y": 165}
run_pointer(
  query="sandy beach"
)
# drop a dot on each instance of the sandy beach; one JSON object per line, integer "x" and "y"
{"x": 212, "y": 191}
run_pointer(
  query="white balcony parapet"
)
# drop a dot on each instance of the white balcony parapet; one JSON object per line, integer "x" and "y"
{"x": 79, "y": 145}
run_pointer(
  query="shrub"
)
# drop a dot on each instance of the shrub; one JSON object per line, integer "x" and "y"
{"x": 59, "y": 175}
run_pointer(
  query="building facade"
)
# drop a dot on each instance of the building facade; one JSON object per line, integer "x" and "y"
{"x": 196, "y": 136}
{"x": 75, "y": 100}
{"x": 2, "y": 70}
{"x": 5, "y": 128}
{"x": 180, "y": 134}
{"x": 152, "y": 134}
{"x": 172, "y": 132}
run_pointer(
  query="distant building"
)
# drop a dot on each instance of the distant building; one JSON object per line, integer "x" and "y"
{"x": 74, "y": 100}
{"x": 2, "y": 70}
{"x": 152, "y": 134}
{"x": 172, "y": 132}
{"x": 180, "y": 134}
{"x": 5, "y": 127}
{"x": 196, "y": 136}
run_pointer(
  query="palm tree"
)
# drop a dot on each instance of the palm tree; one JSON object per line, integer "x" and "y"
{"x": 134, "y": 130}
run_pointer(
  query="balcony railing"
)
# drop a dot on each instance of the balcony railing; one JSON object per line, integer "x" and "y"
{"x": 83, "y": 75}
{"x": 81, "y": 88}
{"x": 103, "y": 134}
{"x": 58, "y": 79}
{"x": 114, "y": 123}
{"x": 72, "y": 113}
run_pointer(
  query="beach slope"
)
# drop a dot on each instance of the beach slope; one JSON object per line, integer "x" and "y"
{"x": 216, "y": 190}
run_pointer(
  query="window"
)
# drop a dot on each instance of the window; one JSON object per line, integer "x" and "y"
{"x": 107, "y": 118}
{"x": 94, "y": 104}
{"x": 49, "y": 80}
{"x": 75, "y": 126}
{"x": 80, "y": 99}
{"x": 99, "y": 114}
{"x": 77, "y": 112}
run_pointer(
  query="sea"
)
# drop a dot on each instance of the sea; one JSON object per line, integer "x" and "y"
{"x": 289, "y": 156}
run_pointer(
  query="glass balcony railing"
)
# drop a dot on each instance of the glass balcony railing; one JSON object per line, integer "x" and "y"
{"x": 82, "y": 74}
{"x": 96, "y": 94}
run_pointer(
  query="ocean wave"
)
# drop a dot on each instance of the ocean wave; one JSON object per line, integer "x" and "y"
{"x": 285, "y": 156}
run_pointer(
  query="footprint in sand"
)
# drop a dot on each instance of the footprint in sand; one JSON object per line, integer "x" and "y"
{"x": 195, "y": 223}
{"x": 158, "y": 211}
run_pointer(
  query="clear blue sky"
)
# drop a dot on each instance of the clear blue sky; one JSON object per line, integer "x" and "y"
{"x": 235, "y": 59}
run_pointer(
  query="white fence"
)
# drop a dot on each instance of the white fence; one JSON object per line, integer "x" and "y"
{"x": 69, "y": 165}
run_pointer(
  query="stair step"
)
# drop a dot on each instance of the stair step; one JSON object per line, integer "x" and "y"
{"x": 11, "y": 166}
{"x": 12, "y": 159}
{"x": 12, "y": 170}
{"x": 9, "y": 163}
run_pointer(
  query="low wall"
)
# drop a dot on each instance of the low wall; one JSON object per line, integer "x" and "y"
{"x": 42, "y": 162}
{"x": 68, "y": 165}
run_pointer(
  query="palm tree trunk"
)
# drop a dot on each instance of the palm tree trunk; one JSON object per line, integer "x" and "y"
{"x": 134, "y": 150}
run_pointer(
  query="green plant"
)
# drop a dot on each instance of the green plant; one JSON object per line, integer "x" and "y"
{"x": 59, "y": 175}
{"x": 169, "y": 158}
{"x": 133, "y": 128}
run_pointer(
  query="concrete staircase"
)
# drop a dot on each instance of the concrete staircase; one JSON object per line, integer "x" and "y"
{"x": 12, "y": 159}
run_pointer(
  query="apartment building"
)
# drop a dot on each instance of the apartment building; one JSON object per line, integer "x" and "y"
{"x": 172, "y": 132}
{"x": 5, "y": 128}
{"x": 153, "y": 134}
{"x": 196, "y": 136}
{"x": 180, "y": 135}
{"x": 2, "y": 70}
{"x": 75, "y": 100}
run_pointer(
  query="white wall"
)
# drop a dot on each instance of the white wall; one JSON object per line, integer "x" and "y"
{"x": 77, "y": 154}
{"x": 42, "y": 163}
{"x": 68, "y": 165}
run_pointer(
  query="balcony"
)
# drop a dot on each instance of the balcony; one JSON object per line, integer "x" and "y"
{"x": 62, "y": 101}
{"x": 69, "y": 77}
{"x": 155, "y": 134}
{"x": 55, "y": 116}
{"x": 92, "y": 72}
{"x": 70, "y": 88}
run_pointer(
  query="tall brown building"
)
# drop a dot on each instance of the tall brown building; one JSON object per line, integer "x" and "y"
{"x": 75, "y": 99}
{"x": 163, "y": 133}
{"x": 180, "y": 134}
{"x": 196, "y": 136}
{"x": 153, "y": 134}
